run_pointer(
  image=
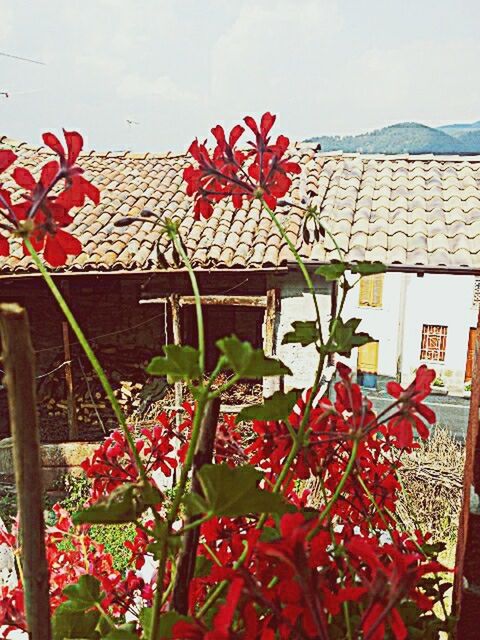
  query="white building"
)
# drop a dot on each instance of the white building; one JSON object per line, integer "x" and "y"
{"x": 418, "y": 319}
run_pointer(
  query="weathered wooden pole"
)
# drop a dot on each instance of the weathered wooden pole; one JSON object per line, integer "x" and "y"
{"x": 273, "y": 383}
{"x": 71, "y": 404}
{"x": 466, "y": 603}
{"x": 19, "y": 364}
{"x": 177, "y": 339}
{"x": 188, "y": 555}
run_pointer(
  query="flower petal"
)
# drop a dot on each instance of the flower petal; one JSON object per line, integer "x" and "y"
{"x": 51, "y": 140}
{"x": 7, "y": 157}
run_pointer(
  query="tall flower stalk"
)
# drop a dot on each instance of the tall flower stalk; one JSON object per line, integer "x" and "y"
{"x": 270, "y": 564}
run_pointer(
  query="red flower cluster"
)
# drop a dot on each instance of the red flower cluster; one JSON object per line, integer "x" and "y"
{"x": 295, "y": 587}
{"x": 67, "y": 562}
{"x": 39, "y": 214}
{"x": 299, "y": 572}
{"x": 261, "y": 171}
{"x": 112, "y": 464}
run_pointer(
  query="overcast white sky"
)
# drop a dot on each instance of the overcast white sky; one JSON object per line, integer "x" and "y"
{"x": 177, "y": 67}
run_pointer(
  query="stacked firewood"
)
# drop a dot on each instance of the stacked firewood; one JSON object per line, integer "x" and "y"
{"x": 125, "y": 369}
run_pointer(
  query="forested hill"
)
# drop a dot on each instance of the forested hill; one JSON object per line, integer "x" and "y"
{"x": 408, "y": 137}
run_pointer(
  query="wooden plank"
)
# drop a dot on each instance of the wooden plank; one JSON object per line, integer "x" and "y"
{"x": 234, "y": 301}
{"x": 467, "y": 577}
{"x": 177, "y": 339}
{"x": 224, "y": 408}
{"x": 71, "y": 404}
{"x": 271, "y": 384}
{"x": 19, "y": 364}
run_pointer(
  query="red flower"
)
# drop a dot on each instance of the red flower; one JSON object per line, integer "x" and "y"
{"x": 40, "y": 215}
{"x": 412, "y": 412}
{"x": 390, "y": 575}
{"x": 7, "y": 158}
{"x": 56, "y": 246}
{"x": 74, "y": 143}
{"x": 263, "y": 171}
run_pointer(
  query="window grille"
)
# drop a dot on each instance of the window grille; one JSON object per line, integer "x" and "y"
{"x": 434, "y": 342}
{"x": 476, "y": 292}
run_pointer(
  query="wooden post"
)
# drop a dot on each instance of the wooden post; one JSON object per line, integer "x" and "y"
{"x": 188, "y": 554}
{"x": 19, "y": 365}
{"x": 466, "y": 603}
{"x": 177, "y": 339}
{"x": 271, "y": 384}
{"x": 71, "y": 404}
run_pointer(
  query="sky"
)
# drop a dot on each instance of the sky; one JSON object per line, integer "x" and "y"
{"x": 175, "y": 68}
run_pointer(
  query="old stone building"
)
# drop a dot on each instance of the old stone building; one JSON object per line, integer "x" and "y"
{"x": 417, "y": 215}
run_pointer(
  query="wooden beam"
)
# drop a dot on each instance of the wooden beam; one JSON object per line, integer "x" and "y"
{"x": 234, "y": 301}
{"x": 177, "y": 339}
{"x": 271, "y": 384}
{"x": 467, "y": 563}
{"x": 19, "y": 364}
{"x": 71, "y": 404}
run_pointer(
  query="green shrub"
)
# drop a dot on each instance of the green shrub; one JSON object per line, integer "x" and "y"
{"x": 111, "y": 536}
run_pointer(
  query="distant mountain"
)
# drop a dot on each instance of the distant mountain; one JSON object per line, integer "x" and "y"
{"x": 454, "y": 129}
{"x": 408, "y": 137}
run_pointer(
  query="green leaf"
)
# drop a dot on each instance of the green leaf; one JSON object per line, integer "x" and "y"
{"x": 248, "y": 362}
{"x": 151, "y": 495}
{"x": 331, "y": 271}
{"x": 70, "y": 623}
{"x": 304, "y": 332}
{"x": 368, "y": 268}
{"x": 277, "y": 407}
{"x": 85, "y": 594}
{"x": 125, "y": 632}
{"x": 343, "y": 338}
{"x": 234, "y": 492}
{"x": 179, "y": 363}
{"x": 124, "y": 504}
{"x": 167, "y": 622}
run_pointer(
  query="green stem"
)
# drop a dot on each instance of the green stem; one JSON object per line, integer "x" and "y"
{"x": 194, "y": 524}
{"x": 337, "y": 491}
{"x": 90, "y": 355}
{"x": 217, "y": 592}
{"x": 198, "y": 303}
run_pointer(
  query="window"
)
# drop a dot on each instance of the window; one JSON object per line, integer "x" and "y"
{"x": 434, "y": 342}
{"x": 476, "y": 292}
{"x": 371, "y": 291}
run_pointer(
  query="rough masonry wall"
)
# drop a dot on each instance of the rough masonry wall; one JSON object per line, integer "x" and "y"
{"x": 297, "y": 304}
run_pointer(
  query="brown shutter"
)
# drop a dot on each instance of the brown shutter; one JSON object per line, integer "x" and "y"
{"x": 470, "y": 351}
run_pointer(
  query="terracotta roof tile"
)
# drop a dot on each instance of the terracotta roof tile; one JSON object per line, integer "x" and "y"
{"x": 397, "y": 209}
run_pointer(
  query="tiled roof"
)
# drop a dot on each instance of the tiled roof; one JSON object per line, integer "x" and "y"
{"x": 397, "y": 209}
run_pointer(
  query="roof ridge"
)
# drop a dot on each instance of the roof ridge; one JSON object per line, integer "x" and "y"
{"x": 17, "y": 144}
{"x": 408, "y": 157}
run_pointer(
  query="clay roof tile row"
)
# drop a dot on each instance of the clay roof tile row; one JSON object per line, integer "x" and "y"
{"x": 418, "y": 210}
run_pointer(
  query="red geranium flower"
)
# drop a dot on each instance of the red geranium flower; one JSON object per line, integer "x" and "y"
{"x": 40, "y": 215}
{"x": 390, "y": 574}
{"x": 261, "y": 172}
{"x": 412, "y": 413}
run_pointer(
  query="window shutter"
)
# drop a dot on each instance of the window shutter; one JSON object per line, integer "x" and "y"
{"x": 368, "y": 357}
{"x": 371, "y": 291}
